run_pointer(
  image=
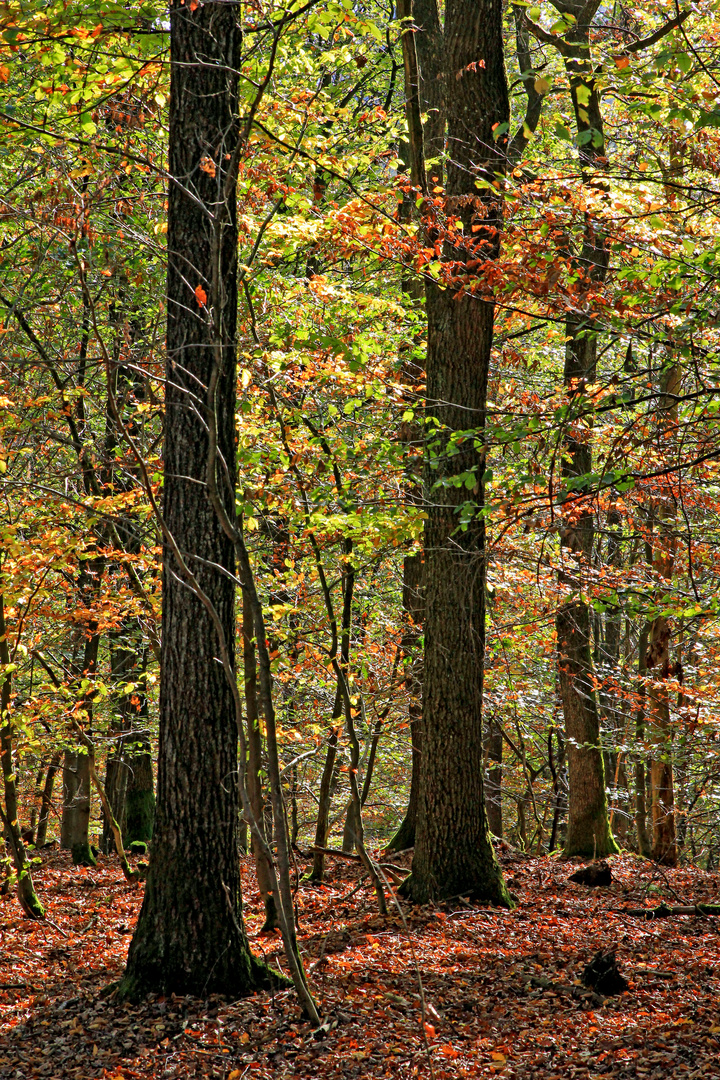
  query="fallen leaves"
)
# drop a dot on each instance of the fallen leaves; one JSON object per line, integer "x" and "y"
{"x": 489, "y": 984}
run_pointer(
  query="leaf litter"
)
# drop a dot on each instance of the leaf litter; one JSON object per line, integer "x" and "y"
{"x": 503, "y": 990}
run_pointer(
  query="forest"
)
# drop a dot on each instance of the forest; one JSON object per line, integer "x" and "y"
{"x": 359, "y": 538}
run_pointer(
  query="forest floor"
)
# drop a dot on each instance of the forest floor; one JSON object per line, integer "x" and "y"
{"x": 484, "y": 1013}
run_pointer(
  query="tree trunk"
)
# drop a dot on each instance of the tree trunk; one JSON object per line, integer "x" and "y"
{"x": 327, "y": 788}
{"x": 76, "y": 808}
{"x": 422, "y": 55}
{"x": 46, "y": 800}
{"x": 643, "y": 840}
{"x": 494, "y": 756}
{"x": 660, "y": 731}
{"x": 190, "y": 937}
{"x": 321, "y": 827}
{"x": 453, "y": 852}
{"x": 140, "y": 792}
{"x": 254, "y": 782}
{"x": 588, "y": 830}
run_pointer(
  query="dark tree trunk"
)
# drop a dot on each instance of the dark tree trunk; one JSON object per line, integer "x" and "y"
{"x": 190, "y": 937}
{"x": 453, "y": 852}
{"x": 140, "y": 792}
{"x": 643, "y": 839}
{"x": 422, "y": 52}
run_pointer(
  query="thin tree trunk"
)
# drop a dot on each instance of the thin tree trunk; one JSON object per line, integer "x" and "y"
{"x": 326, "y": 785}
{"x": 643, "y": 839}
{"x": 254, "y": 782}
{"x": 46, "y": 800}
{"x": 660, "y": 731}
{"x": 9, "y": 814}
{"x": 494, "y": 757}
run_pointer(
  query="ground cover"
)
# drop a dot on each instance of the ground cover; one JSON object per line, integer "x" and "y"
{"x": 502, "y": 989}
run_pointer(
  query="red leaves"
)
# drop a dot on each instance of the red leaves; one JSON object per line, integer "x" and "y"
{"x": 200, "y": 295}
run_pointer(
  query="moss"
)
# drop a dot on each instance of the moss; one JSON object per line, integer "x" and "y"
{"x": 404, "y": 838}
{"x": 82, "y": 855}
{"x": 249, "y": 976}
{"x": 137, "y": 847}
{"x": 591, "y": 838}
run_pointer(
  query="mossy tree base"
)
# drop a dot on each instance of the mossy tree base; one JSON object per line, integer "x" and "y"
{"x": 597, "y": 845}
{"x": 139, "y": 816}
{"x": 82, "y": 855}
{"x": 481, "y": 883}
{"x": 272, "y": 922}
{"x": 404, "y": 838}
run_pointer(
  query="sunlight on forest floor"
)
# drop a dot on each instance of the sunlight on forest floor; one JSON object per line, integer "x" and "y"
{"x": 485, "y": 1016}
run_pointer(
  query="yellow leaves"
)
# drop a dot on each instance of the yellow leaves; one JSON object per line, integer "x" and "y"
{"x": 542, "y": 85}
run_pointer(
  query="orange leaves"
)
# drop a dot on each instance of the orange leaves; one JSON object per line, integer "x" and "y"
{"x": 207, "y": 164}
{"x": 200, "y": 295}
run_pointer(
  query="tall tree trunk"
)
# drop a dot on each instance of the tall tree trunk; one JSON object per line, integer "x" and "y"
{"x": 588, "y": 830}
{"x": 190, "y": 938}
{"x": 422, "y": 56}
{"x": 140, "y": 790}
{"x": 453, "y": 852}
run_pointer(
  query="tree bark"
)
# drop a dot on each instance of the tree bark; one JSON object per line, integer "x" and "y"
{"x": 660, "y": 731}
{"x": 453, "y": 852}
{"x": 588, "y": 830}
{"x": 190, "y": 938}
